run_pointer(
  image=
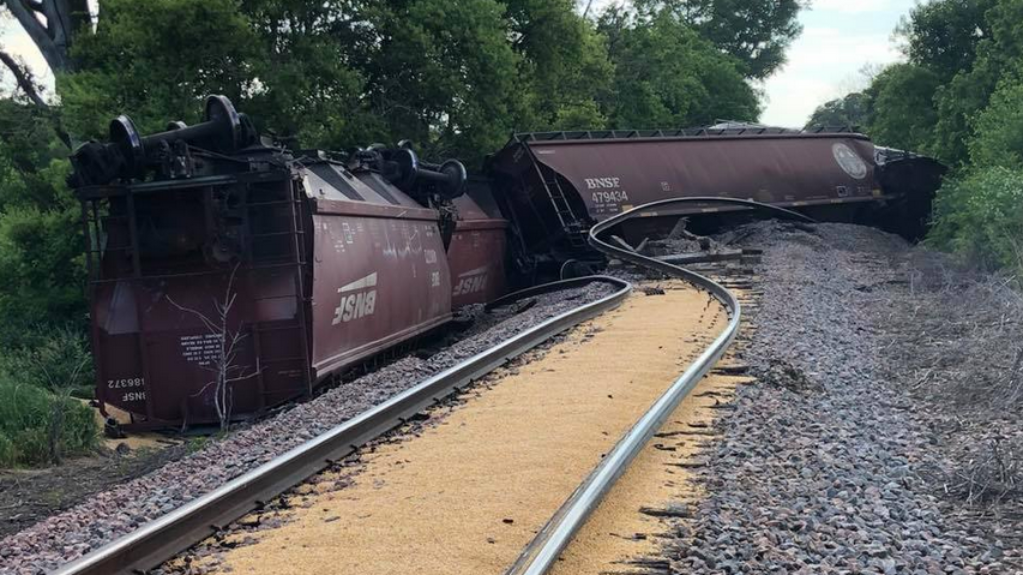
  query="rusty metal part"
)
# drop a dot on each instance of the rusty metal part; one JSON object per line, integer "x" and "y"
{"x": 161, "y": 539}
{"x": 548, "y": 544}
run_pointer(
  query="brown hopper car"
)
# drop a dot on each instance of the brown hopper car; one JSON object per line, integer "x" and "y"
{"x": 557, "y": 185}
{"x": 217, "y": 261}
{"x": 230, "y": 275}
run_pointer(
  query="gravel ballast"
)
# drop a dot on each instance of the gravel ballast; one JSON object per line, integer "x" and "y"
{"x": 106, "y": 516}
{"x": 823, "y": 466}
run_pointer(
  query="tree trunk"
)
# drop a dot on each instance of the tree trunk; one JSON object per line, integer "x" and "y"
{"x": 52, "y": 26}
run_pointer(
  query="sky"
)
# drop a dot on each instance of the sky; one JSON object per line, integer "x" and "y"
{"x": 840, "y": 39}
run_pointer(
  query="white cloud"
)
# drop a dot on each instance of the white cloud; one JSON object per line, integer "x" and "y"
{"x": 821, "y": 64}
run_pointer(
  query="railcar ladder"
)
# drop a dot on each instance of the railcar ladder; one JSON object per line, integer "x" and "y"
{"x": 569, "y": 222}
{"x": 275, "y": 199}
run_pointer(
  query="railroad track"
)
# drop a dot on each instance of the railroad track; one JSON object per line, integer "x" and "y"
{"x": 182, "y": 528}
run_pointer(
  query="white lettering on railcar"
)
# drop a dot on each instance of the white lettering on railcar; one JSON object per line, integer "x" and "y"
{"x": 134, "y": 396}
{"x": 616, "y": 197}
{"x": 126, "y": 383}
{"x": 203, "y": 349}
{"x": 470, "y": 282}
{"x": 358, "y": 300}
{"x": 603, "y": 183}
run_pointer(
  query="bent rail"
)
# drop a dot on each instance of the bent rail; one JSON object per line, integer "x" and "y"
{"x": 548, "y": 544}
{"x": 163, "y": 538}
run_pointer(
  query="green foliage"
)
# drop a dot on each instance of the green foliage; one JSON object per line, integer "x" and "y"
{"x": 852, "y": 110}
{"x": 308, "y": 86}
{"x": 41, "y": 261}
{"x": 156, "y": 59}
{"x": 40, "y": 420}
{"x": 902, "y": 107}
{"x": 26, "y": 417}
{"x": 999, "y": 140}
{"x": 564, "y": 68}
{"x": 56, "y": 359}
{"x": 958, "y": 99}
{"x": 31, "y": 158}
{"x": 443, "y": 73}
{"x": 980, "y": 216}
{"x": 667, "y": 75}
{"x": 754, "y": 32}
{"x": 942, "y": 35}
{"x": 998, "y": 55}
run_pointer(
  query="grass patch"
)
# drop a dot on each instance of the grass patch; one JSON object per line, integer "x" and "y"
{"x": 30, "y": 434}
{"x": 41, "y": 421}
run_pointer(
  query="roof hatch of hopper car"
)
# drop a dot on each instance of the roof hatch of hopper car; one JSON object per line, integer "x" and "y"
{"x": 328, "y": 182}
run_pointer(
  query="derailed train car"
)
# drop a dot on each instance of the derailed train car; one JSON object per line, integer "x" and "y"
{"x": 556, "y": 185}
{"x": 228, "y": 276}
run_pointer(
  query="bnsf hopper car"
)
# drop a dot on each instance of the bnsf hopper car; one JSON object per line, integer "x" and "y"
{"x": 555, "y": 186}
{"x": 218, "y": 261}
{"x": 217, "y": 257}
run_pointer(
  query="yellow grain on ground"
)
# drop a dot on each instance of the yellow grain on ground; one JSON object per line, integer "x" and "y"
{"x": 136, "y": 440}
{"x": 618, "y": 532}
{"x": 467, "y": 495}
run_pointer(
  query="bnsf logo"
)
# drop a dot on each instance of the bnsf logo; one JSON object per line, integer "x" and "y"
{"x": 360, "y": 301}
{"x": 603, "y": 183}
{"x": 471, "y": 282}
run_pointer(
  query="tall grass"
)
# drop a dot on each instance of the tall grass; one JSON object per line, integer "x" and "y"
{"x": 26, "y": 425}
{"x": 40, "y": 420}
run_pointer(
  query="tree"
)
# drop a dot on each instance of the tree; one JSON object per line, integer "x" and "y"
{"x": 180, "y": 51}
{"x": 310, "y": 59}
{"x": 53, "y": 26}
{"x": 851, "y": 110}
{"x": 563, "y": 67}
{"x": 756, "y": 32}
{"x": 943, "y": 35}
{"x": 668, "y": 76}
{"x": 969, "y": 92}
{"x": 442, "y": 72}
{"x": 902, "y": 110}
{"x": 40, "y": 233}
{"x": 999, "y": 139}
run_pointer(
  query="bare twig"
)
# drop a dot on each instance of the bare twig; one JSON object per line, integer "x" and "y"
{"x": 223, "y": 365}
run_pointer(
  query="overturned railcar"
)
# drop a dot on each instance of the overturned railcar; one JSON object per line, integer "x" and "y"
{"x": 555, "y": 186}
{"x": 228, "y": 275}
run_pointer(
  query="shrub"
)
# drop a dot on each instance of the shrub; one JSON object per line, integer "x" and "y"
{"x": 42, "y": 264}
{"x": 980, "y": 216}
{"x": 27, "y": 432}
{"x": 40, "y": 421}
{"x": 54, "y": 359}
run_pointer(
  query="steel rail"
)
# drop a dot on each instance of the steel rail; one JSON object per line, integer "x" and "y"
{"x": 541, "y": 553}
{"x": 163, "y": 538}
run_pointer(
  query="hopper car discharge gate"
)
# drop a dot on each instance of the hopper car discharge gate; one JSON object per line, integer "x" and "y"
{"x": 218, "y": 260}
